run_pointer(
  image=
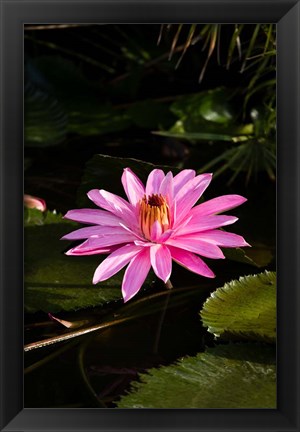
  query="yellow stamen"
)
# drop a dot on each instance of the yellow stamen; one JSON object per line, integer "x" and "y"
{"x": 154, "y": 208}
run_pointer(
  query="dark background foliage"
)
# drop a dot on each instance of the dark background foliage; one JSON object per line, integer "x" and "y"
{"x": 186, "y": 96}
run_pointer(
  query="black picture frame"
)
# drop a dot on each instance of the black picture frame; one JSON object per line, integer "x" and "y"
{"x": 16, "y": 13}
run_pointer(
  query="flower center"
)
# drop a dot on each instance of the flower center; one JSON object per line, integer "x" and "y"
{"x": 154, "y": 208}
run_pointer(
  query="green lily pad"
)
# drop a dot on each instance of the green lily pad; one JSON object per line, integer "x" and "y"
{"x": 53, "y": 279}
{"x": 227, "y": 376}
{"x": 56, "y": 299}
{"x": 244, "y": 307}
{"x": 104, "y": 172}
{"x": 34, "y": 217}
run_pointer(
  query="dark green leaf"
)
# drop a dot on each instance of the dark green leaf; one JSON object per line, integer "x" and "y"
{"x": 45, "y": 121}
{"x": 213, "y": 106}
{"x": 232, "y": 376}
{"x": 87, "y": 113}
{"x": 97, "y": 120}
{"x": 55, "y": 299}
{"x": 52, "y": 279}
{"x": 151, "y": 115}
{"x": 104, "y": 172}
{"x": 239, "y": 255}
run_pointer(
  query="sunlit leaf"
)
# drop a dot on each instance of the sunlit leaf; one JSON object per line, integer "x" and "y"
{"x": 227, "y": 376}
{"x": 34, "y": 216}
{"x": 187, "y": 43}
{"x": 201, "y": 136}
{"x": 244, "y": 307}
{"x": 251, "y": 44}
{"x": 212, "y": 105}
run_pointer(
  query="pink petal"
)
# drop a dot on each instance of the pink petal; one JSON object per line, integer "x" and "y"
{"x": 224, "y": 238}
{"x": 136, "y": 274}
{"x": 205, "y": 223}
{"x": 103, "y": 242}
{"x": 133, "y": 186}
{"x": 75, "y": 252}
{"x": 196, "y": 245}
{"x": 166, "y": 188}
{"x": 143, "y": 243}
{"x": 115, "y": 204}
{"x": 95, "y": 231}
{"x": 93, "y": 216}
{"x": 218, "y": 205}
{"x": 154, "y": 181}
{"x": 156, "y": 231}
{"x": 136, "y": 231}
{"x": 115, "y": 262}
{"x": 181, "y": 179}
{"x": 189, "y": 195}
{"x": 191, "y": 262}
{"x": 161, "y": 261}
{"x": 95, "y": 196}
{"x": 165, "y": 236}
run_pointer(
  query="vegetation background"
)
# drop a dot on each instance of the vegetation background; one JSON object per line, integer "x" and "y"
{"x": 186, "y": 96}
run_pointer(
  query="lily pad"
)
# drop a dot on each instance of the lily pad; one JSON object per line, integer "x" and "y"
{"x": 245, "y": 308}
{"x": 34, "y": 217}
{"x": 52, "y": 279}
{"x": 56, "y": 299}
{"x": 227, "y": 376}
{"x": 104, "y": 172}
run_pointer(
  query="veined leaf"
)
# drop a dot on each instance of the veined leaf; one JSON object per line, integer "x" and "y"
{"x": 227, "y": 376}
{"x": 239, "y": 255}
{"x": 45, "y": 121}
{"x": 244, "y": 307}
{"x": 54, "y": 281}
{"x": 56, "y": 299}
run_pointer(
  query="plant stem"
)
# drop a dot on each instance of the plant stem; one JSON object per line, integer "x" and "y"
{"x": 91, "y": 392}
{"x": 169, "y": 284}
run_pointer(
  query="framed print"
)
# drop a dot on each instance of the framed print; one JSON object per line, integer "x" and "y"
{"x": 149, "y": 217}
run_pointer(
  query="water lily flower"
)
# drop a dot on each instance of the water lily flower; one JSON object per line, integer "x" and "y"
{"x": 34, "y": 202}
{"x": 159, "y": 223}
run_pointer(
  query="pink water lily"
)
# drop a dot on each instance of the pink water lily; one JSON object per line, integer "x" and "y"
{"x": 157, "y": 224}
